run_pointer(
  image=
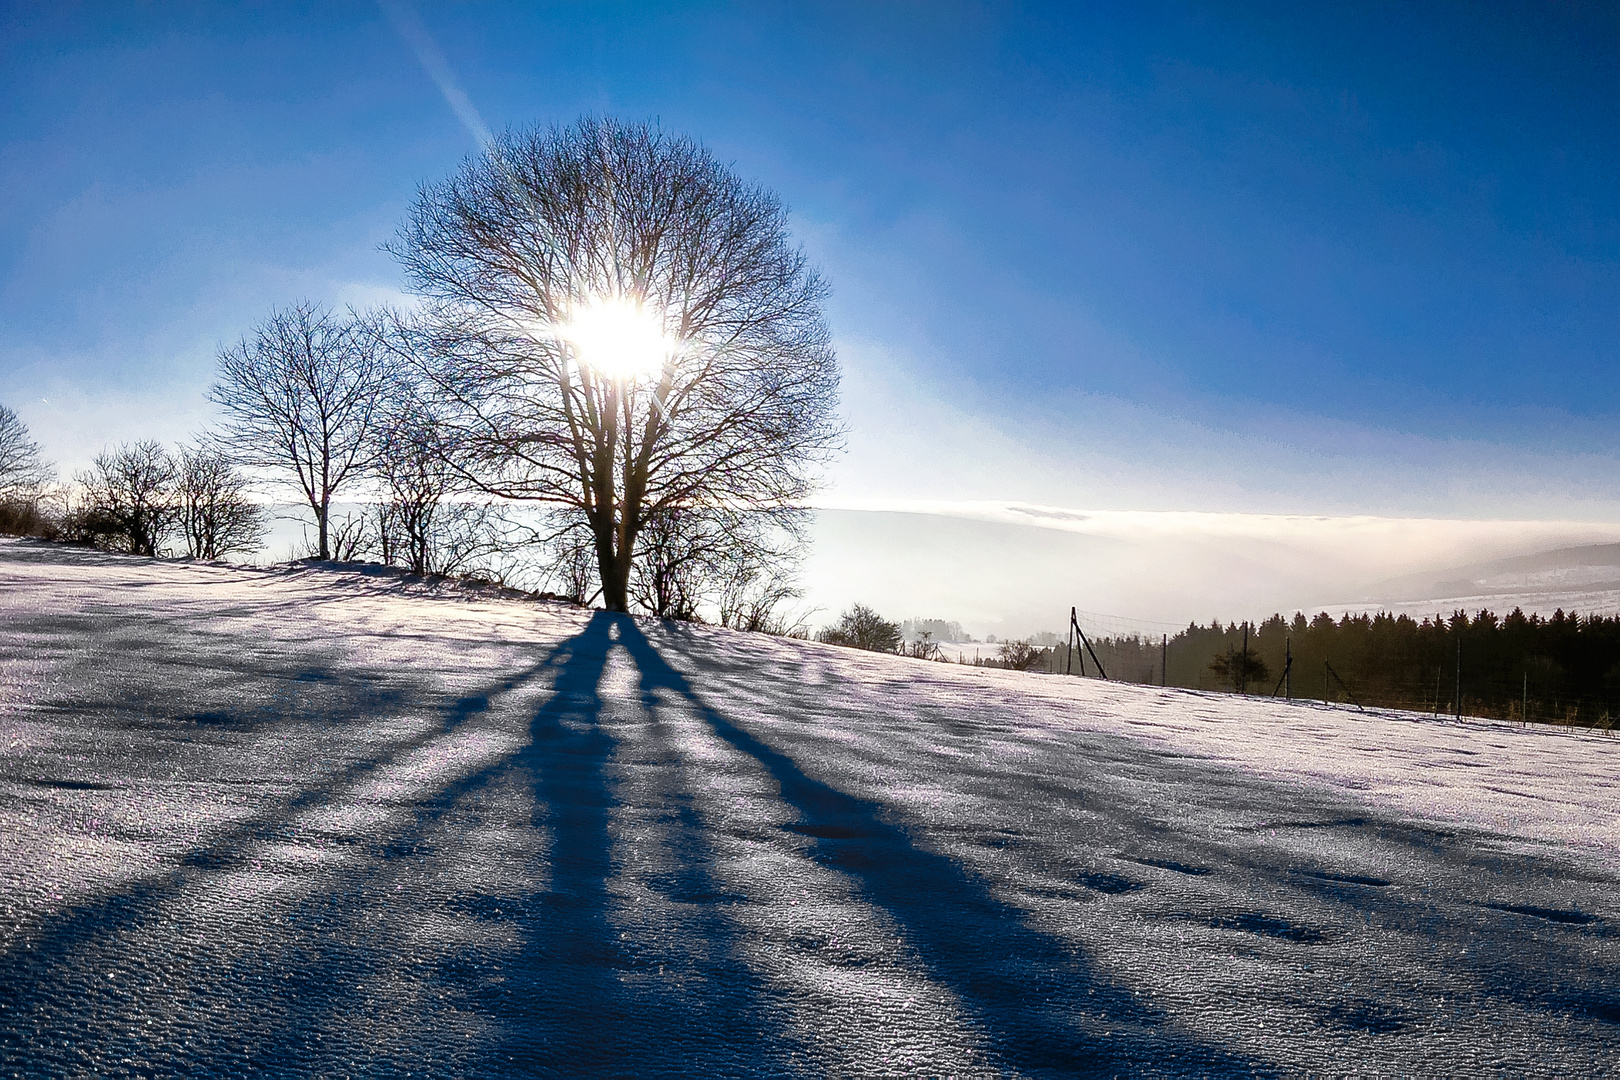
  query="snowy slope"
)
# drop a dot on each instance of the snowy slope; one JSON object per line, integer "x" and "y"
{"x": 319, "y": 821}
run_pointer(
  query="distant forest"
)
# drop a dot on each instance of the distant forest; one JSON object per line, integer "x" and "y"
{"x": 1563, "y": 669}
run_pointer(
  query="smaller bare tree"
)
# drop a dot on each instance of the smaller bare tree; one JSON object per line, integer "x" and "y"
{"x": 216, "y": 517}
{"x": 301, "y": 395}
{"x": 571, "y": 566}
{"x": 128, "y": 500}
{"x": 1239, "y": 670}
{"x": 23, "y": 470}
{"x": 24, "y": 475}
{"x": 924, "y": 648}
{"x": 681, "y": 549}
{"x": 427, "y": 518}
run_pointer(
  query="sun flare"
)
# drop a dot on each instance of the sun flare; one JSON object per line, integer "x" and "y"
{"x": 618, "y": 337}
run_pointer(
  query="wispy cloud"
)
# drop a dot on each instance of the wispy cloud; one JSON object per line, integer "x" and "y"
{"x": 410, "y": 28}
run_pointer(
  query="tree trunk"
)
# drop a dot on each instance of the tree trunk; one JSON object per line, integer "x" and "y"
{"x": 615, "y": 574}
{"x": 321, "y": 513}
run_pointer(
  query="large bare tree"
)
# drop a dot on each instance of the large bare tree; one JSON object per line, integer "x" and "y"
{"x": 620, "y": 328}
{"x": 301, "y": 394}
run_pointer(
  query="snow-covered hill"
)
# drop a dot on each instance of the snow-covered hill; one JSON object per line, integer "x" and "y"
{"x": 315, "y": 820}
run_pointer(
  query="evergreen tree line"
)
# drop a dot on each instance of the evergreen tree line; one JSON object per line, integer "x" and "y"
{"x": 1561, "y": 669}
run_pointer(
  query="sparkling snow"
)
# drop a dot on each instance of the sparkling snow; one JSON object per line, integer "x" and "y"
{"x": 324, "y": 821}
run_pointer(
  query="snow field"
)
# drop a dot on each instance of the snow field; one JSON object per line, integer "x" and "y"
{"x": 329, "y": 822}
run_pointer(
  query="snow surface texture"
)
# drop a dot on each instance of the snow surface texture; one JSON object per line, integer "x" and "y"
{"x": 317, "y": 821}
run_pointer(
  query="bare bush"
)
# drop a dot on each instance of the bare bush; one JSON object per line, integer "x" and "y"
{"x": 756, "y": 600}
{"x": 1020, "y": 655}
{"x": 426, "y": 517}
{"x": 862, "y": 628}
{"x": 553, "y": 225}
{"x": 570, "y": 566}
{"x": 350, "y": 538}
{"x": 128, "y": 501}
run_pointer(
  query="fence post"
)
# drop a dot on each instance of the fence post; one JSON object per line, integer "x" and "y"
{"x": 1068, "y": 650}
{"x": 1243, "y": 672}
{"x": 1459, "y": 676}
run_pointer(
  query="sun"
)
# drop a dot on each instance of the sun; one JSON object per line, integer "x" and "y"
{"x": 618, "y": 337}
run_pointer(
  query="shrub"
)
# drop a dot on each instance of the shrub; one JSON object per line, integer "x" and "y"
{"x": 862, "y": 628}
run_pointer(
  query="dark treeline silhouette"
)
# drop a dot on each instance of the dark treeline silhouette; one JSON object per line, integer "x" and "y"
{"x": 1560, "y": 669}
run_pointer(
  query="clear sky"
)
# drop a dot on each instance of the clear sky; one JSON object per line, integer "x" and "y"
{"x": 1257, "y": 258}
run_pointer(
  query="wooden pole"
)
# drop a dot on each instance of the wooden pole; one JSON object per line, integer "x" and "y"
{"x": 1459, "y": 675}
{"x": 1243, "y": 672}
{"x": 1068, "y": 655}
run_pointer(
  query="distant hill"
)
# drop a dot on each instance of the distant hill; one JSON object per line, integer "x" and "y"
{"x": 1585, "y": 579}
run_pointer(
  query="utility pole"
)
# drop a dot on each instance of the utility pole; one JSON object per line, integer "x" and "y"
{"x": 1068, "y": 654}
{"x": 1524, "y": 702}
{"x": 1164, "y": 659}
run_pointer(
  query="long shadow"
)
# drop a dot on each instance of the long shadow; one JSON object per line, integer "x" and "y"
{"x": 1508, "y": 937}
{"x": 581, "y": 999}
{"x": 1022, "y": 988}
{"x": 575, "y": 1000}
{"x": 51, "y": 1001}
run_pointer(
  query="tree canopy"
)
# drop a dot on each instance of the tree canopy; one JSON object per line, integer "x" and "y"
{"x": 547, "y": 261}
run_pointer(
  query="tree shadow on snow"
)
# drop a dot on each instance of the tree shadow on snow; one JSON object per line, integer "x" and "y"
{"x": 1023, "y": 989}
{"x": 580, "y": 997}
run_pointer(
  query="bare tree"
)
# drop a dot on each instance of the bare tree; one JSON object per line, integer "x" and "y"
{"x": 128, "y": 499}
{"x": 216, "y": 517}
{"x": 741, "y": 562}
{"x": 24, "y": 475}
{"x": 300, "y": 396}
{"x": 425, "y": 518}
{"x": 679, "y": 549}
{"x": 564, "y": 261}
{"x": 23, "y": 470}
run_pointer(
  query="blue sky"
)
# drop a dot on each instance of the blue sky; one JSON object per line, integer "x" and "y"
{"x": 1247, "y": 258}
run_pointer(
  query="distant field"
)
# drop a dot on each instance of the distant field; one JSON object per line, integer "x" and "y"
{"x": 269, "y": 820}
